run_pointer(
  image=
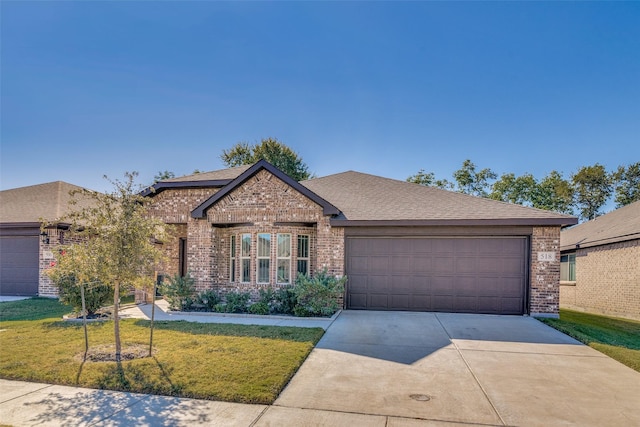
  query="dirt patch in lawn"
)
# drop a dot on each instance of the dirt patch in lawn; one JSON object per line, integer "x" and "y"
{"x": 107, "y": 353}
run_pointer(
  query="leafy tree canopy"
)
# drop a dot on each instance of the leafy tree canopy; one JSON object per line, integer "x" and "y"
{"x": 470, "y": 181}
{"x": 627, "y": 184}
{"x": 592, "y": 186}
{"x": 271, "y": 150}
{"x": 162, "y": 175}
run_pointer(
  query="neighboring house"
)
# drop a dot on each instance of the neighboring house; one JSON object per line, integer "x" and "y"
{"x": 26, "y": 251}
{"x": 600, "y": 264}
{"x": 403, "y": 246}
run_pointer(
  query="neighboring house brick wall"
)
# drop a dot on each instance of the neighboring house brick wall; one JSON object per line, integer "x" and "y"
{"x": 607, "y": 280}
{"x": 545, "y": 275}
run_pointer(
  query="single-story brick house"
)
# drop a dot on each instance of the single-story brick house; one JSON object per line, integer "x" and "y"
{"x": 600, "y": 264}
{"x": 403, "y": 246}
{"x": 25, "y": 251}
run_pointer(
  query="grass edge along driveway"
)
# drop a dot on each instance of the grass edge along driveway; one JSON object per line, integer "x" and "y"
{"x": 617, "y": 338}
{"x": 235, "y": 363}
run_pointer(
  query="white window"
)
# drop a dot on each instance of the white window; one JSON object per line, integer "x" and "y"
{"x": 283, "y": 275}
{"x": 264, "y": 257}
{"x": 303, "y": 254}
{"x": 232, "y": 258}
{"x": 568, "y": 267}
{"x": 245, "y": 258}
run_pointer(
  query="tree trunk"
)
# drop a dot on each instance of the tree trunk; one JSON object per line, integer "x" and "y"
{"x": 116, "y": 319}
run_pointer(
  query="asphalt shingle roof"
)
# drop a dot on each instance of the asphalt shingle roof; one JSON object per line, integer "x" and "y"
{"x": 28, "y": 204}
{"x": 617, "y": 226}
{"x": 364, "y": 197}
{"x": 222, "y": 174}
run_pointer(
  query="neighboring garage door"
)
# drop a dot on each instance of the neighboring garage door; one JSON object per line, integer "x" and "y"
{"x": 452, "y": 274}
{"x": 19, "y": 265}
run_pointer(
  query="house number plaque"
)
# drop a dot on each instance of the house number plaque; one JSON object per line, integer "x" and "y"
{"x": 546, "y": 256}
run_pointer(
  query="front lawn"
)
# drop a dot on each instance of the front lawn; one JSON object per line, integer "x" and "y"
{"x": 236, "y": 363}
{"x": 617, "y": 338}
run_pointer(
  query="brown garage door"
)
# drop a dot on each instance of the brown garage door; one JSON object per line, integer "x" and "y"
{"x": 463, "y": 275}
{"x": 19, "y": 265}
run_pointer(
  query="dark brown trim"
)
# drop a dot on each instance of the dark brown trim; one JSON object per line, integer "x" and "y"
{"x": 594, "y": 243}
{"x": 295, "y": 224}
{"x": 159, "y": 187}
{"x": 437, "y": 231}
{"x": 327, "y": 208}
{"x": 454, "y": 222}
{"x": 232, "y": 224}
{"x": 19, "y": 224}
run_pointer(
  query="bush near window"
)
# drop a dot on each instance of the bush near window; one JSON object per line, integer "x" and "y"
{"x": 96, "y": 295}
{"x": 178, "y": 291}
{"x": 236, "y": 302}
{"x": 206, "y": 300}
{"x": 318, "y": 295}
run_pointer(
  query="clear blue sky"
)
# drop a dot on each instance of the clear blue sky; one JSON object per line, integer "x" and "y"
{"x": 388, "y": 88}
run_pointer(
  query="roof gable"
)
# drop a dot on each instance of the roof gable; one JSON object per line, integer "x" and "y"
{"x": 619, "y": 225}
{"x": 216, "y": 179}
{"x": 327, "y": 208}
{"x": 366, "y": 199}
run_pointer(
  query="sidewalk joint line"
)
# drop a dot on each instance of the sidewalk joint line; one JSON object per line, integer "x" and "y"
{"x": 471, "y": 371}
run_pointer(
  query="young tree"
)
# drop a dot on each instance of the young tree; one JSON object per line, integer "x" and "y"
{"x": 271, "y": 150}
{"x": 592, "y": 186}
{"x": 554, "y": 193}
{"x": 115, "y": 243}
{"x": 470, "y": 181}
{"x": 626, "y": 182}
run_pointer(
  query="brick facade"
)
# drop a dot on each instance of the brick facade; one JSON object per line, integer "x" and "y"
{"x": 262, "y": 204}
{"x": 607, "y": 281}
{"x": 545, "y": 274}
{"x": 47, "y": 258}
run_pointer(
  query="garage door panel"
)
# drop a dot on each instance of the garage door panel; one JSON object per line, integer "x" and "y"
{"x": 459, "y": 274}
{"x": 378, "y": 301}
{"x": 19, "y": 259}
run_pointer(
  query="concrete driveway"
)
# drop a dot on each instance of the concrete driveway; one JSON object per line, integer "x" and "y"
{"x": 438, "y": 369}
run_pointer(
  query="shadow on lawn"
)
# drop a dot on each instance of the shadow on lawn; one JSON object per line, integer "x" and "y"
{"x": 225, "y": 329}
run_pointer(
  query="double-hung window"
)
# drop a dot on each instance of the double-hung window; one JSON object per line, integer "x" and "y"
{"x": 232, "y": 262}
{"x": 284, "y": 259}
{"x": 568, "y": 268}
{"x": 245, "y": 258}
{"x": 264, "y": 257}
{"x": 303, "y": 254}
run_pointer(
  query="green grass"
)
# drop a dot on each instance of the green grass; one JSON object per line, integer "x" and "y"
{"x": 617, "y": 338}
{"x": 237, "y": 363}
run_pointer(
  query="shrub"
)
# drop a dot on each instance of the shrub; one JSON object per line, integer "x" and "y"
{"x": 178, "y": 291}
{"x": 259, "y": 308}
{"x": 236, "y": 302}
{"x": 318, "y": 295}
{"x": 96, "y": 295}
{"x": 284, "y": 301}
{"x": 208, "y": 300}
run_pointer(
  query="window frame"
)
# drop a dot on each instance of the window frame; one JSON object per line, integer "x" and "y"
{"x": 245, "y": 258}
{"x": 232, "y": 259}
{"x": 306, "y": 258}
{"x": 280, "y": 258}
{"x": 568, "y": 267}
{"x": 261, "y": 258}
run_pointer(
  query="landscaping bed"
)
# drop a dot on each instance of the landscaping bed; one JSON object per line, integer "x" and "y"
{"x": 615, "y": 337}
{"x": 236, "y": 363}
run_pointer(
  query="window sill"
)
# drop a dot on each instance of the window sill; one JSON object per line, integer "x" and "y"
{"x": 567, "y": 283}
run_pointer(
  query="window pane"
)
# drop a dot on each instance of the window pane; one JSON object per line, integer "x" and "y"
{"x": 233, "y": 270}
{"x": 264, "y": 245}
{"x": 263, "y": 270}
{"x": 233, "y": 246}
{"x": 246, "y": 245}
{"x": 303, "y": 266}
{"x": 284, "y": 245}
{"x": 284, "y": 271}
{"x": 303, "y": 246}
{"x": 246, "y": 270}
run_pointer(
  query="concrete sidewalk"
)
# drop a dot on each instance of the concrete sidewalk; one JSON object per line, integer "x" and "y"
{"x": 163, "y": 313}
